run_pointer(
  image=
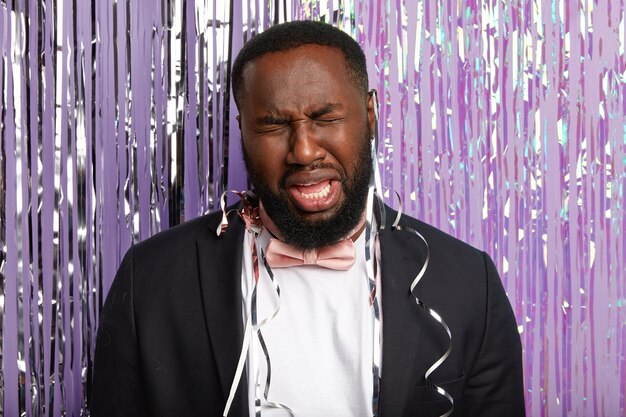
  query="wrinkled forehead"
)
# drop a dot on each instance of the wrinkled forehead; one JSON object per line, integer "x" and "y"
{"x": 293, "y": 70}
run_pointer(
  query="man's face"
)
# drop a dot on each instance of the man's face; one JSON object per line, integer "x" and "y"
{"x": 306, "y": 130}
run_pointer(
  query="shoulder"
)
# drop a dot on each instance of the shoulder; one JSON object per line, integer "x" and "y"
{"x": 177, "y": 238}
{"x": 446, "y": 252}
{"x": 173, "y": 254}
{"x": 459, "y": 279}
{"x": 167, "y": 267}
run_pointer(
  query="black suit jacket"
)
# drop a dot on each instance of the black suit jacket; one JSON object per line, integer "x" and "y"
{"x": 171, "y": 328}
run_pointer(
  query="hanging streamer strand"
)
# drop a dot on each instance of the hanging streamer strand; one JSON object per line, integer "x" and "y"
{"x": 396, "y": 226}
{"x": 249, "y": 214}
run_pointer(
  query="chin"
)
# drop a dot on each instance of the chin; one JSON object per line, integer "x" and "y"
{"x": 317, "y": 219}
{"x": 317, "y": 216}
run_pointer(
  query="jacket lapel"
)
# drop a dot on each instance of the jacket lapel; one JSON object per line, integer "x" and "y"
{"x": 220, "y": 282}
{"x": 402, "y": 256}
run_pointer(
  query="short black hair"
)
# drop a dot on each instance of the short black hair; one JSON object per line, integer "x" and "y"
{"x": 290, "y": 35}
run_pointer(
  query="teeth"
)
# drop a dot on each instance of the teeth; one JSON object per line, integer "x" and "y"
{"x": 318, "y": 194}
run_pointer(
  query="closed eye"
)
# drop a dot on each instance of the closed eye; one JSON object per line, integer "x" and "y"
{"x": 329, "y": 119}
{"x": 270, "y": 124}
{"x": 268, "y": 121}
{"x": 271, "y": 128}
{"x": 328, "y": 114}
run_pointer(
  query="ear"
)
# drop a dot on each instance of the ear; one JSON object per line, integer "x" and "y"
{"x": 238, "y": 117}
{"x": 372, "y": 106}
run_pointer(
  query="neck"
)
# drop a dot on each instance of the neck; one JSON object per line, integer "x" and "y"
{"x": 356, "y": 232}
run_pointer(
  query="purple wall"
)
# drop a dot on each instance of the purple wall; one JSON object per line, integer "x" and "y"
{"x": 503, "y": 123}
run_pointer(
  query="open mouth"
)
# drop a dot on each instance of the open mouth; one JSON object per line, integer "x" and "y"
{"x": 315, "y": 196}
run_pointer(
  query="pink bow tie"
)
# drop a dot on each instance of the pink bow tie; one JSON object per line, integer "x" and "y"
{"x": 339, "y": 256}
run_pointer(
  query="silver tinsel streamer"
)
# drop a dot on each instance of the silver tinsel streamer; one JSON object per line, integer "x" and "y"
{"x": 502, "y": 122}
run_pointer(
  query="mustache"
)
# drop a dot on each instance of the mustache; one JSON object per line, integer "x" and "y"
{"x": 318, "y": 165}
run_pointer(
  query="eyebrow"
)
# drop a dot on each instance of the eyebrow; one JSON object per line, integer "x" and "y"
{"x": 273, "y": 118}
{"x": 327, "y": 108}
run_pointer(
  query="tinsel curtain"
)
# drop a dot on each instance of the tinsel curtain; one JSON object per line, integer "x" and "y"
{"x": 502, "y": 122}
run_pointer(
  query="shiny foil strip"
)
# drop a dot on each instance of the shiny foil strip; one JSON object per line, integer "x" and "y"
{"x": 375, "y": 193}
{"x": 372, "y": 250}
{"x": 249, "y": 215}
{"x": 95, "y": 131}
{"x": 268, "y": 379}
{"x": 433, "y": 314}
{"x": 502, "y": 123}
{"x": 373, "y": 280}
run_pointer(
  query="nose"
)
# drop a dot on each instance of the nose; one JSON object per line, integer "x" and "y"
{"x": 305, "y": 147}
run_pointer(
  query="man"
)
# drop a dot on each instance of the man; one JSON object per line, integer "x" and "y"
{"x": 194, "y": 319}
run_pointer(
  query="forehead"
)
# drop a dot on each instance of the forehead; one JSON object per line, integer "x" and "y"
{"x": 298, "y": 75}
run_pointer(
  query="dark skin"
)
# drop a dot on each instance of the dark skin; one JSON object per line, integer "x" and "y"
{"x": 301, "y": 119}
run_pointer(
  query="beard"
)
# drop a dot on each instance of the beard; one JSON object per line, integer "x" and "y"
{"x": 309, "y": 234}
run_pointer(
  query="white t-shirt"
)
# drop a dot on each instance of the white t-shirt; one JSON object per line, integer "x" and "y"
{"x": 320, "y": 342}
